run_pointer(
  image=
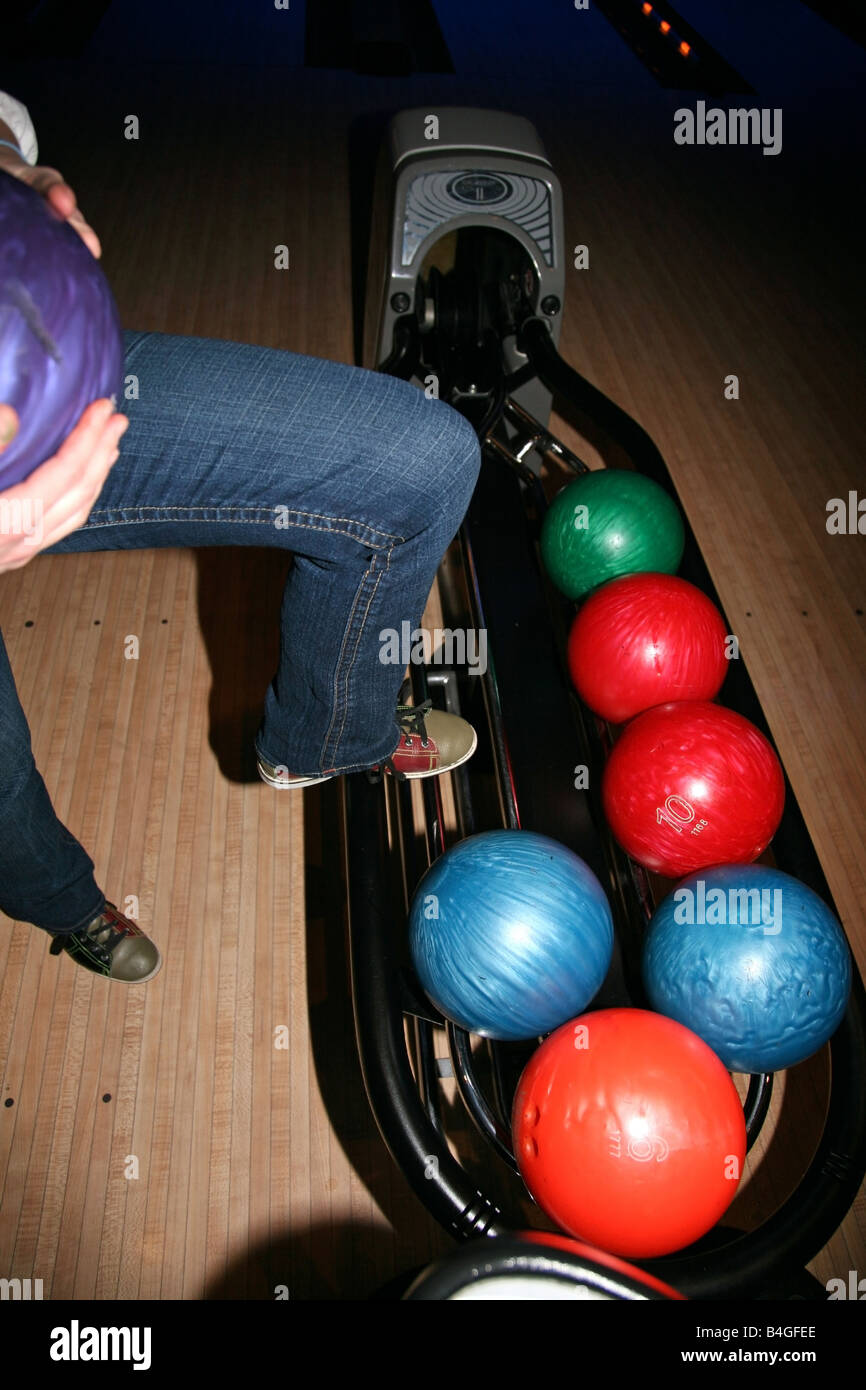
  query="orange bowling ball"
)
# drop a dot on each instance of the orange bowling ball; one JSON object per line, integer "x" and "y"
{"x": 629, "y": 1132}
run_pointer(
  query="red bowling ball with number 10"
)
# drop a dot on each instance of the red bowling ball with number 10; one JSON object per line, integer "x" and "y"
{"x": 691, "y": 784}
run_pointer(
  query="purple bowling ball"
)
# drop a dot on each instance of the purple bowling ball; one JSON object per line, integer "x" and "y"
{"x": 61, "y": 344}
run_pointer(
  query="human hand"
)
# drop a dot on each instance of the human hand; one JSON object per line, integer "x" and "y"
{"x": 56, "y": 192}
{"x": 59, "y": 496}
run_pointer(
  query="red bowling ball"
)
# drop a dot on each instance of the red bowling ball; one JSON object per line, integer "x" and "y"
{"x": 643, "y": 640}
{"x": 692, "y": 784}
{"x": 629, "y": 1132}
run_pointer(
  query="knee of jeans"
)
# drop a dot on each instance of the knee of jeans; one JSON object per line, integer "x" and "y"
{"x": 447, "y": 461}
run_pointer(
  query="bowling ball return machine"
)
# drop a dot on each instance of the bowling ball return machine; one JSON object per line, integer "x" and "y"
{"x": 465, "y": 295}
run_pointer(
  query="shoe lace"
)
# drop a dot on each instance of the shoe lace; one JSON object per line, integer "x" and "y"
{"x": 410, "y": 721}
{"x": 106, "y": 936}
{"x": 101, "y": 936}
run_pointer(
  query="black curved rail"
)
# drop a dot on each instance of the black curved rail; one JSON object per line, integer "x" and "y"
{"x": 417, "y": 1146}
{"x": 514, "y": 1257}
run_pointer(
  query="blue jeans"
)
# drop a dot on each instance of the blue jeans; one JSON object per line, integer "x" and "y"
{"x": 359, "y": 475}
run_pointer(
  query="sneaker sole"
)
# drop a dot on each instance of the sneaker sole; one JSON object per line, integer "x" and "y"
{"x": 294, "y": 786}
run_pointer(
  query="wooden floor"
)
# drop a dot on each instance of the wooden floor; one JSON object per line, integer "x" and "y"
{"x": 156, "y": 1142}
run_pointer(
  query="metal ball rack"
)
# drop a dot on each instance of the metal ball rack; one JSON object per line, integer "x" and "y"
{"x": 488, "y": 330}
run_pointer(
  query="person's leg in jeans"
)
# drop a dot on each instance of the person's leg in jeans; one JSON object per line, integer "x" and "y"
{"x": 46, "y": 876}
{"x": 358, "y": 474}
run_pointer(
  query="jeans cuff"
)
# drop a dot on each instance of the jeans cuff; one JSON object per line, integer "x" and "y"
{"x": 70, "y": 931}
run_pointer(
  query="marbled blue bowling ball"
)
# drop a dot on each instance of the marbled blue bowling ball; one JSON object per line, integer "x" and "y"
{"x": 752, "y": 961}
{"x": 511, "y": 934}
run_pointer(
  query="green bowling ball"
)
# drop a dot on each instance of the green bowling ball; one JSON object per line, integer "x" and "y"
{"x": 606, "y": 524}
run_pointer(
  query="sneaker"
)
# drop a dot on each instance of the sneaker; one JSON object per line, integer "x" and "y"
{"x": 113, "y": 946}
{"x": 431, "y": 742}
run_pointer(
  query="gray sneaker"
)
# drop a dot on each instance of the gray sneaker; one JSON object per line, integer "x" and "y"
{"x": 431, "y": 742}
{"x": 113, "y": 946}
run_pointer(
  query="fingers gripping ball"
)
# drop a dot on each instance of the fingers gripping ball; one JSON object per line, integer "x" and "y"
{"x": 629, "y": 1132}
{"x": 511, "y": 934}
{"x": 606, "y": 524}
{"x": 61, "y": 345}
{"x": 753, "y": 961}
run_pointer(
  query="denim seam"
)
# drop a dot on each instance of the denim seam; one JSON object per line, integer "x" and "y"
{"x": 341, "y": 676}
{"x": 333, "y": 524}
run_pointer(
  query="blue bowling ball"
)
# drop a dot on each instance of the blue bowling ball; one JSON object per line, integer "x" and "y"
{"x": 511, "y": 934}
{"x": 752, "y": 961}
